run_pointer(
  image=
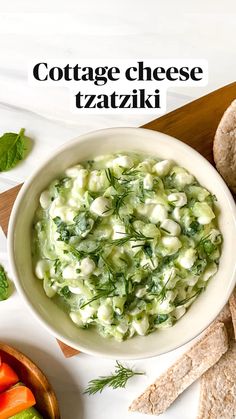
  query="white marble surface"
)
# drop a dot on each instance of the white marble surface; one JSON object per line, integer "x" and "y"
{"x": 73, "y": 29}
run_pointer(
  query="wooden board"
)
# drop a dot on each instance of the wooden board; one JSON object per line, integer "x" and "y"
{"x": 7, "y": 200}
{"x": 194, "y": 124}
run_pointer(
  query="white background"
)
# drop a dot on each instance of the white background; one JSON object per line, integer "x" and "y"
{"x": 69, "y": 29}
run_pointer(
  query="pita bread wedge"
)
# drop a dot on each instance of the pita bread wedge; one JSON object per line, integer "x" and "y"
{"x": 218, "y": 385}
{"x": 205, "y": 353}
{"x": 225, "y": 314}
{"x": 224, "y": 147}
{"x": 232, "y": 306}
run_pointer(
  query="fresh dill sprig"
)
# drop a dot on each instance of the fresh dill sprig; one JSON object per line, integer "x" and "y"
{"x": 57, "y": 265}
{"x": 102, "y": 293}
{"x": 186, "y": 300}
{"x": 203, "y": 239}
{"x": 141, "y": 191}
{"x": 118, "y": 202}
{"x": 108, "y": 209}
{"x": 131, "y": 172}
{"x": 129, "y": 175}
{"x": 116, "y": 380}
{"x": 107, "y": 265}
{"x": 106, "y": 289}
{"x": 165, "y": 231}
{"x": 162, "y": 294}
{"x": 79, "y": 254}
{"x": 111, "y": 178}
{"x": 126, "y": 239}
{"x": 131, "y": 235}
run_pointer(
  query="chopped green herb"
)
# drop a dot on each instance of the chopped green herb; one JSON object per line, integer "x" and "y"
{"x": 193, "y": 228}
{"x": 148, "y": 252}
{"x": 206, "y": 246}
{"x": 199, "y": 266}
{"x": 65, "y": 292}
{"x": 62, "y": 230}
{"x": 211, "y": 199}
{"x": 169, "y": 181}
{"x": 57, "y": 266}
{"x": 61, "y": 184}
{"x": 90, "y": 164}
{"x": 209, "y": 247}
{"x": 81, "y": 227}
{"x": 82, "y": 224}
{"x": 160, "y": 318}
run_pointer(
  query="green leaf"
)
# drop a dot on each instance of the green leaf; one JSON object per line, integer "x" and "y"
{"x": 12, "y": 147}
{"x": 4, "y": 284}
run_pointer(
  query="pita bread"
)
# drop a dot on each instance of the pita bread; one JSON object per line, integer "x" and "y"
{"x": 232, "y": 306}
{"x": 218, "y": 385}
{"x": 225, "y": 314}
{"x": 205, "y": 353}
{"x": 224, "y": 147}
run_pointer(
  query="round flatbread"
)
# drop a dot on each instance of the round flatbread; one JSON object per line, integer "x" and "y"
{"x": 224, "y": 147}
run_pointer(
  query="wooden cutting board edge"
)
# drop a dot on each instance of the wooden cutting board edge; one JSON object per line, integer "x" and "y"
{"x": 194, "y": 124}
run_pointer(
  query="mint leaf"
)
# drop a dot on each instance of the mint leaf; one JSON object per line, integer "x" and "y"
{"x": 4, "y": 284}
{"x": 12, "y": 147}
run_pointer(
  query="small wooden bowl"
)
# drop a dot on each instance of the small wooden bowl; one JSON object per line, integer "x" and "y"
{"x": 32, "y": 377}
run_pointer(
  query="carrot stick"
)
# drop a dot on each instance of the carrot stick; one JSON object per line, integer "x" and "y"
{"x": 15, "y": 400}
{"x": 8, "y": 377}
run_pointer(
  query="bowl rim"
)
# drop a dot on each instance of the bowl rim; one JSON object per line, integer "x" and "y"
{"x": 13, "y": 219}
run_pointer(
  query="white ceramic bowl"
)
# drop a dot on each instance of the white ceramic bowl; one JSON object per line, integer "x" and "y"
{"x": 201, "y": 313}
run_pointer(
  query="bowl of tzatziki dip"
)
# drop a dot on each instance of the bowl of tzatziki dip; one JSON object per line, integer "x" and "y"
{"x": 128, "y": 236}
